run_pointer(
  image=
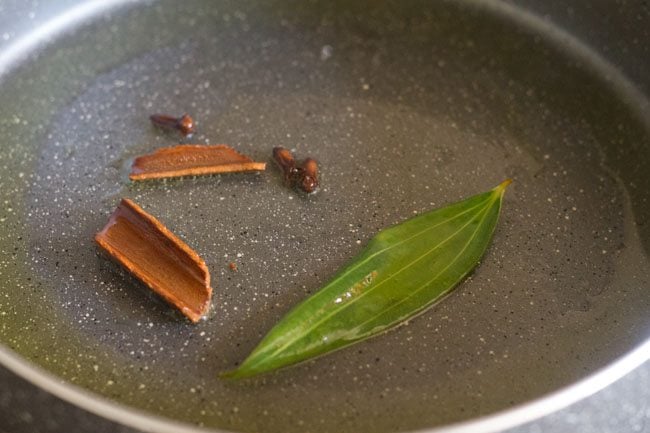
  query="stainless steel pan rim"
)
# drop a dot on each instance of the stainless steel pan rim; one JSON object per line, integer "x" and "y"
{"x": 45, "y": 33}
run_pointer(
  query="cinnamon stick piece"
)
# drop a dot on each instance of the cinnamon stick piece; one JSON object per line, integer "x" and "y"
{"x": 147, "y": 249}
{"x": 191, "y": 160}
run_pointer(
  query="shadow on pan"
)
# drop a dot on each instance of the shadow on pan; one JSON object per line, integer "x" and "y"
{"x": 407, "y": 106}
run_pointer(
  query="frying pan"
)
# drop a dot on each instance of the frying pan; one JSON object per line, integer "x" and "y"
{"x": 407, "y": 106}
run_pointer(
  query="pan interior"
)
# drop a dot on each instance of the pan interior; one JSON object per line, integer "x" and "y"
{"x": 407, "y": 106}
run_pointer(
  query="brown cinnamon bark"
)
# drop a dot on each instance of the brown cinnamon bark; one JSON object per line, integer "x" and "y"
{"x": 191, "y": 160}
{"x": 147, "y": 249}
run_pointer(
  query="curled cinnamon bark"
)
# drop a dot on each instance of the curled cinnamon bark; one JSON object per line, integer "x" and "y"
{"x": 154, "y": 255}
{"x": 192, "y": 160}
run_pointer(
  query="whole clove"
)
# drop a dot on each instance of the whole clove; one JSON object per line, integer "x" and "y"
{"x": 284, "y": 159}
{"x": 183, "y": 124}
{"x": 303, "y": 175}
{"x": 308, "y": 175}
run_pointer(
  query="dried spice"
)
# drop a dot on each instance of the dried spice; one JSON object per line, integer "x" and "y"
{"x": 303, "y": 175}
{"x": 192, "y": 160}
{"x": 153, "y": 254}
{"x": 184, "y": 124}
{"x": 402, "y": 272}
{"x": 284, "y": 159}
{"x": 308, "y": 179}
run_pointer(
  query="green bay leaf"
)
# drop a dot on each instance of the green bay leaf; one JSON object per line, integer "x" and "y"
{"x": 402, "y": 271}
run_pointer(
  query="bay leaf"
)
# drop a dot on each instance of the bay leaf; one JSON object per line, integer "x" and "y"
{"x": 401, "y": 273}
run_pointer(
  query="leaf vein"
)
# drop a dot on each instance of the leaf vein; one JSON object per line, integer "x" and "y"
{"x": 396, "y": 244}
{"x": 373, "y": 288}
{"x": 416, "y": 291}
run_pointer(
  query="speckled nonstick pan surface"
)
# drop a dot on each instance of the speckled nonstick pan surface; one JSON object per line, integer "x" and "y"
{"x": 407, "y": 106}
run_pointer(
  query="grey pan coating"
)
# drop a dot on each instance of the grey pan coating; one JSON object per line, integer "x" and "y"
{"x": 407, "y": 106}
